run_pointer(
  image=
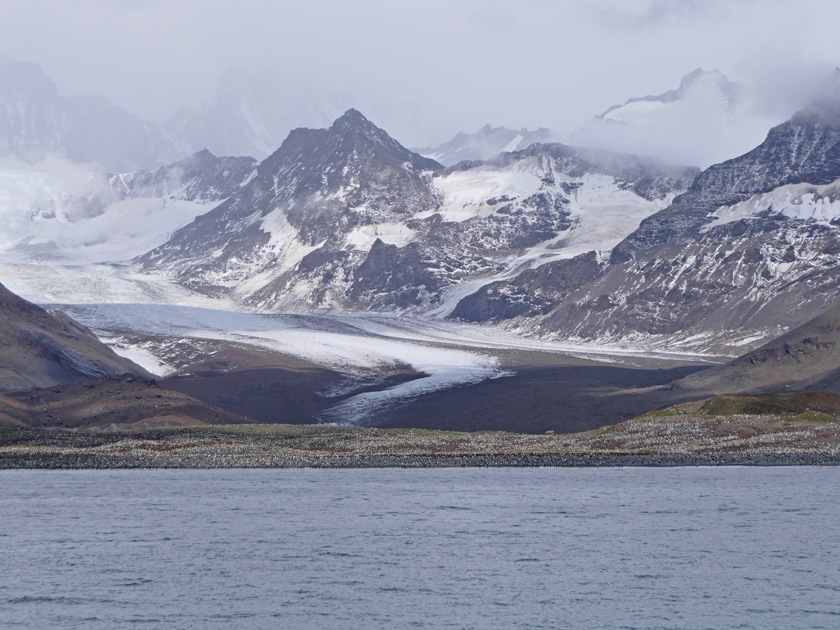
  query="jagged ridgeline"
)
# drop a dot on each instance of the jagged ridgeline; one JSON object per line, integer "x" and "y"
{"x": 748, "y": 250}
{"x": 348, "y": 218}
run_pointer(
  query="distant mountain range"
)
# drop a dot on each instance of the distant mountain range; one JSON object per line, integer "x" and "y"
{"x": 486, "y": 143}
{"x": 567, "y": 242}
{"x": 348, "y": 218}
{"x": 577, "y": 243}
{"x": 501, "y": 227}
{"x": 707, "y": 119}
{"x": 35, "y": 121}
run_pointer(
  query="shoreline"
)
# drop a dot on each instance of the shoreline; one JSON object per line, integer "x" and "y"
{"x": 643, "y": 442}
{"x": 465, "y": 461}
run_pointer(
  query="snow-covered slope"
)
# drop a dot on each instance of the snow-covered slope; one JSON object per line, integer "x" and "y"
{"x": 347, "y": 218}
{"x": 109, "y": 218}
{"x": 485, "y": 143}
{"x": 318, "y": 187}
{"x": 706, "y": 120}
{"x": 748, "y": 251}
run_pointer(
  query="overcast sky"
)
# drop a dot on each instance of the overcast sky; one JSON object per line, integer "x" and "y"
{"x": 446, "y": 65}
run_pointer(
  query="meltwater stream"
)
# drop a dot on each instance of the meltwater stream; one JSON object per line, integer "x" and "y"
{"x": 443, "y": 548}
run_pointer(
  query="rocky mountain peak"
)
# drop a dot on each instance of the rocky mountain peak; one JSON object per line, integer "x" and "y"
{"x": 320, "y": 185}
{"x": 24, "y": 81}
{"x": 354, "y": 135}
{"x": 352, "y": 119}
{"x": 352, "y": 144}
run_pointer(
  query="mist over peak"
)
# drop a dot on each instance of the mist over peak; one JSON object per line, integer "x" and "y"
{"x": 707, "y": 119}
{"x": 485, "y": 143}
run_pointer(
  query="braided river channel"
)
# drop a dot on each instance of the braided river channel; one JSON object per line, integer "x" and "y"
{"x": 440, "y": 548}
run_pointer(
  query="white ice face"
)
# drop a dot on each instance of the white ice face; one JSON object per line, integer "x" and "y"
{"x": 797, "y": 201}
{"x": 466, "y": 193}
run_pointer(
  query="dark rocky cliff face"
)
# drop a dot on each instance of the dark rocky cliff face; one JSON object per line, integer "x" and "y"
{"x": 804, "y": 149}
{"x": 694, "y": 271}
{"x": 346, "y": 217}
{"x": 532, "y": 293}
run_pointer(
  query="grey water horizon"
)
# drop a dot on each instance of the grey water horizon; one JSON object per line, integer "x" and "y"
{"x": 444, "y": 548}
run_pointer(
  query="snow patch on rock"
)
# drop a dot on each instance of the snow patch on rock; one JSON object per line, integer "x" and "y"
{"x": 797, "y": 201}
{"x": 466, "y": 193}
{"x": 363, "y": 237}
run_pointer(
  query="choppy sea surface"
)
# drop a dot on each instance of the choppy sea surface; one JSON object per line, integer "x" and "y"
{"x": 441, "y": 548}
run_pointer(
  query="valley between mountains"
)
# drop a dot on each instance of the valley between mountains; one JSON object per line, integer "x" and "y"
{"x": 348, "y": 280}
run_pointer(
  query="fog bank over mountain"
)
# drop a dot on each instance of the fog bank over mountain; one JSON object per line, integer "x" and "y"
{"x": 424, "y": 70}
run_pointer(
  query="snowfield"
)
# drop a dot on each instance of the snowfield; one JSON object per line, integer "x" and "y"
{"x": 42, "y": 220}
{"x": 466, "y": 192}
{"x": 797, "y": 201}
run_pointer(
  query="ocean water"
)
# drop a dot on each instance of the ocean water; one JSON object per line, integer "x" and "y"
{"x": 441, "y": 548}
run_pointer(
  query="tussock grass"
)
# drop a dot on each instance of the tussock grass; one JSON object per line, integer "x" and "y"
{"x": 813, "y": 417}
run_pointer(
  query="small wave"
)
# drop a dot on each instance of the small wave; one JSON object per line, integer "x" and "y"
{"x": 43, "y": 599}
{"x": 139, "y": 582}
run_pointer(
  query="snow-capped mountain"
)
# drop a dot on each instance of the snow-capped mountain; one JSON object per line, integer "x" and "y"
{"x": 114, "y": 217}
{"x": 748, "y": 251}
{"x": 486, "y": 143}
{"x": 706, "y": 120}
{"x": 35, "y": 121}
{"x": 347, "y": 218}
{"x": 319, "y": 185}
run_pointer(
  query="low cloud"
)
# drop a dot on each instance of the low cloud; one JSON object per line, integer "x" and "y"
{"x": 427, "y": 68}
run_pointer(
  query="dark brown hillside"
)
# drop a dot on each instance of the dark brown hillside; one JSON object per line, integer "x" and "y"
{"x": 807, "y": 357}
{"x": 40, "y": 348}
{"x": 113, "y": 403}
